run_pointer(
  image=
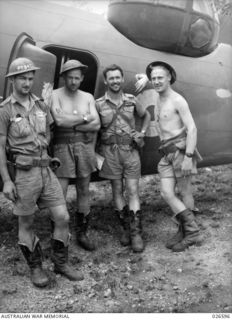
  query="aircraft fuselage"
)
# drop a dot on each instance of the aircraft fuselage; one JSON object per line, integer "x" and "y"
{"x": 205, "y": 82}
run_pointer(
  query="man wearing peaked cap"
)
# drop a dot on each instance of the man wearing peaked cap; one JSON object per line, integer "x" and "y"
{"x": 24, "y": 128}
{"x": 77, "y": 122}
{"x": 178, "y": 134}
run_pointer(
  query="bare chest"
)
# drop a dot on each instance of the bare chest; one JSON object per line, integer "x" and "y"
{"x": 78, "y": 104}
{"x": 166, "y": 112}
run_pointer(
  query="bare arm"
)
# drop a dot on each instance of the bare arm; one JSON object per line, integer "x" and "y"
{"x": 189, "y": 123}
{"x": 3, "y": 167}
{"x": 139, "y": 108}
{"x": 138, "y": 137}
{"x": 49, "y": 123}
{"x": 93, "y": 123}
{"x": 146, "y": 121}
{"x": 144, "y": 114}
{"x": 9, "y": 188}
{"x": 63, "y": 119}
{"x": 191, "y": 139}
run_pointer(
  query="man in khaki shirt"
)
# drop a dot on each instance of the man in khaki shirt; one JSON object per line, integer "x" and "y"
{"x": 25, "y": 132}
{"x": 119, "y": 146}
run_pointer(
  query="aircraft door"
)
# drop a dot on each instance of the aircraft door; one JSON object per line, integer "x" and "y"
{"x": 25, "y": 46}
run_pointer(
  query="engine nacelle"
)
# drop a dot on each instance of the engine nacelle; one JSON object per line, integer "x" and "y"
{"x": 186, "y": 27}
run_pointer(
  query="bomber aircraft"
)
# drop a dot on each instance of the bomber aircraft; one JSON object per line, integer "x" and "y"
{"x": 183, "y": 33}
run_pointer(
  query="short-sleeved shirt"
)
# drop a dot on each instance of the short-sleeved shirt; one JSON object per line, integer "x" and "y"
{"x": 107, "y": 108}
{"x": 123, "y": 161}
{"x": 26, "y": 130}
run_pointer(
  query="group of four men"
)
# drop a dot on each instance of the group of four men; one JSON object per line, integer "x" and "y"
{"x": 25, "y": 122}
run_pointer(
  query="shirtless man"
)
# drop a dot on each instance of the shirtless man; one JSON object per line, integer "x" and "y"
{"x": 77, "y": 122}
{"x": 178, "y": 134}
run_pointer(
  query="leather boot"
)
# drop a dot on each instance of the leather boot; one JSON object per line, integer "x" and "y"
{"x": 190, "y": 229}
{"x": 83, "y": 240}
{"x": 124, "y": 219}
{"x": 34, "y": 261}
{"x": 59, "y": 257}
{"x": 177, "y": 237}
{"x": 136, "y": 231}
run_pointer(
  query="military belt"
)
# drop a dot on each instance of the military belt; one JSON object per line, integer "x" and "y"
{"x": 165, "y": 150}
{"x": 28, "y": 162}
{"x": 69, "y": 140}
{"x": 169, "y": 145}
{"x": 117, "y": 140}
{"x": 41, "y": 162}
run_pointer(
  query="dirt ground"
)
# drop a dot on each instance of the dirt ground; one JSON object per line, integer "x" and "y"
{"x": 117, "y": 280}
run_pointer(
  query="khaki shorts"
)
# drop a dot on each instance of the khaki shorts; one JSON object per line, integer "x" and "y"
{"x": 170, "y": 165}
{"x": 78, "y": 160}
{"x": 120, "y": 163}
{"x": 37, "y": 186}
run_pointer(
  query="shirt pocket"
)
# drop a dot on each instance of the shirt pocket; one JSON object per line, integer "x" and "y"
{"x": 39, "y": 122}
{"x": 106, "y": 116}
{"x": 20, "y": 127}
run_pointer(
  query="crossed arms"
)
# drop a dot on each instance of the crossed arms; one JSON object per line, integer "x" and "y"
{"x": 88, "y": 121}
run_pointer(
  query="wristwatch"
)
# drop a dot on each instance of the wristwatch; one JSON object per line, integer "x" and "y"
{"x": 189, "y": 155}
{"x": 85, "y": 119}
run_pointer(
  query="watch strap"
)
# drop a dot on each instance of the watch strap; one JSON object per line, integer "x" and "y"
{"x": 189, "y": 155}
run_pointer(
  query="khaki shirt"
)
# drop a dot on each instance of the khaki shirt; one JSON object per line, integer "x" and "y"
{"x": 106, "y": 109}
{"x": 25, "y": 130}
